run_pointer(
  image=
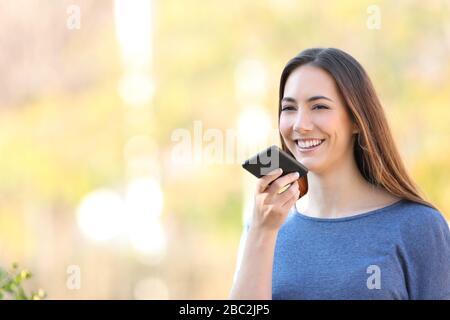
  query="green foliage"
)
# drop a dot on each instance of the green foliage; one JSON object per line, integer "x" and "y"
{"x": 11, "y": 285}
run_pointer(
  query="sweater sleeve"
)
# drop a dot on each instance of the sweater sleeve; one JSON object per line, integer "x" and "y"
{"x": 427, "y": 243}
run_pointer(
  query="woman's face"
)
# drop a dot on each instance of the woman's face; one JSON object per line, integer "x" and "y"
{"x": 314, "y": 121}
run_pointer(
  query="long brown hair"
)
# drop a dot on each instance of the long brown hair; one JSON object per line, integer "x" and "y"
{"x": 375, "y": 152}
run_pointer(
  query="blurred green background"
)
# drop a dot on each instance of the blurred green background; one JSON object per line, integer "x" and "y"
{"x": 94, "y": 96}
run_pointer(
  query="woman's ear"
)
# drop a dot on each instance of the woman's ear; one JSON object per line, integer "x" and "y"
{"x": 355, "y": 128}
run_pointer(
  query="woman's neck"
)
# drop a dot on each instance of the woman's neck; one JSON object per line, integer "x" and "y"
{"x": 341, "y": 191}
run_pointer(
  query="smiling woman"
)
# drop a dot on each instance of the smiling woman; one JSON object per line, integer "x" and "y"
{"x": 361, "y": 229}
{"x": 340, "y": 102}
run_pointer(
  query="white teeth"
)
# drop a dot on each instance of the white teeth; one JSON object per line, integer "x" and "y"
{"x": 308, "y": 143}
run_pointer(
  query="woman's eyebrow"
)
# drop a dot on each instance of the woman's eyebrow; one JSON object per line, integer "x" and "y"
{"x": 318, "y": 98}
{"x": 313, "y": 98}
{"x": 289, "y": 99}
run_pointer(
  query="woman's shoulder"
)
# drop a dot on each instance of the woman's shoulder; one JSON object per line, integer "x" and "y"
{"x": 418, "y": 212}
{"x": 418, "y": 219}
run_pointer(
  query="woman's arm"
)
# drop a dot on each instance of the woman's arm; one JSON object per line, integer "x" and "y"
{"x": 254, "y": 276}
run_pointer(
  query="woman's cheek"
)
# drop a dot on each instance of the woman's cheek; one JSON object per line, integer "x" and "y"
{"x": 327, "y": 123}
{"x": 285, "y": 126}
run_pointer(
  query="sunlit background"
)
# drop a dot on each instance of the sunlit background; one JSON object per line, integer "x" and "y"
{"x": 95, "y": 97}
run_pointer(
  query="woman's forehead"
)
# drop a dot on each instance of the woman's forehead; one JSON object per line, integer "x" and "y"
{"x": 307, "y": 81}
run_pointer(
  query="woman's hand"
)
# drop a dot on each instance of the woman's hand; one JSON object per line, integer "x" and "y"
{"x": 271, "y": 205}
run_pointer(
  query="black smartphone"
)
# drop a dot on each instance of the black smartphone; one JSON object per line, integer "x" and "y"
{"x": 273, "y": 158}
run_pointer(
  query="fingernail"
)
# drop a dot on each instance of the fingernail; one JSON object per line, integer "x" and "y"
{"x": 297, "y": 174}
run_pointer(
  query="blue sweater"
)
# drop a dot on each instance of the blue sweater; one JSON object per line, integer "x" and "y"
{"x": 401, "y": 251}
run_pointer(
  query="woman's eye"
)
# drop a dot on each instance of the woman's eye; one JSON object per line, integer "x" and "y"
{"x": 287, "y": 108}
{"x": 320, "y": 106}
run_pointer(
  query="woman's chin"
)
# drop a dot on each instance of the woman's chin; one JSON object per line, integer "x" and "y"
{"x": 312, "y": 165}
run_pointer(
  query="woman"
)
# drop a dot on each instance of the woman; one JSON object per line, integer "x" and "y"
{"x": 361, "y": 229}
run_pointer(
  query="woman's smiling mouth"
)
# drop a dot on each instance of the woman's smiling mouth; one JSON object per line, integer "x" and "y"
{"x": 308, "y": 145}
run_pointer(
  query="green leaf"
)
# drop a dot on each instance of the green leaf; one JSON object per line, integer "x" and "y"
{"x": 11, "y": 284}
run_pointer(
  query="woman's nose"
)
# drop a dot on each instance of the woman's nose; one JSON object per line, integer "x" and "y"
{"x": 302, "y": 121}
